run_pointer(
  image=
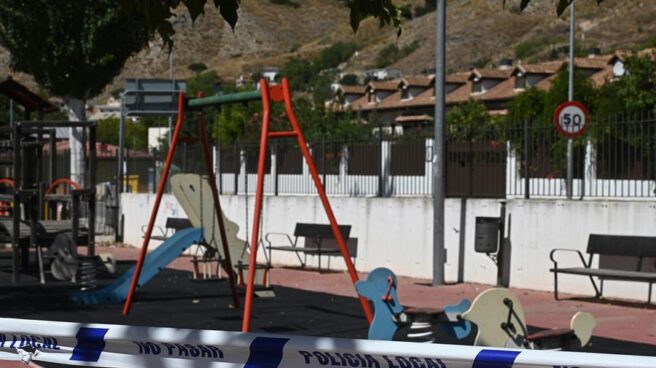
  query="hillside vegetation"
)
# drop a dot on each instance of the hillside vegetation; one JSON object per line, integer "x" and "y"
{"x": 480, "y": 33}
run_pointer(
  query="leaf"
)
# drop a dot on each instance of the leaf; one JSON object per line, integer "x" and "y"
{"x": 195, "y": 7}
{"x": 524, "y": 4}
{"x": 562, "y": 5}
{"x": 228, "y": 10}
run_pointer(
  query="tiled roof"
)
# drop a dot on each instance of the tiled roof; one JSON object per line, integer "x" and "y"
{"x": 391, "y": 85}
{"x": 502, "y": 91}
{"x": 601, "y": 67}
{"x": 24, "y": 96}
{"x": 356, "y": 90}
{"x": 460, "y": 94}
{"x": 362, "y": 104}
{"x": 541, "y": 68}
{"x": 601, "y": 77}
{"x": 420, "y": 80}
{"x": 459, "y": 78}
{"x": 491, "y": 73}
{"x": 546, "y": 83}
{"x": 595, "y": 62}
{"x": 413, "y": 118}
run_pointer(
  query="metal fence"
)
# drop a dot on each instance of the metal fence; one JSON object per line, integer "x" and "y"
{"x": 615, "y": 159}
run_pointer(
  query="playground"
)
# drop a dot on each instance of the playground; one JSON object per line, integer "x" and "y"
{"x": 204, "y": 271}
{"x": 307, "y": 303}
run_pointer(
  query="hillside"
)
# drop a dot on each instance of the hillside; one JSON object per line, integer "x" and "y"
{"x": 480, "y": 32}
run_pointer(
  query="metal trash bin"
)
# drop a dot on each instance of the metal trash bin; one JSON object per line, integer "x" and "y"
{"x": 487, "y": 234}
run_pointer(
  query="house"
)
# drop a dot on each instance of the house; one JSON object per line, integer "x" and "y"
{"x": 270, "y": 73}
{"x": 410, "y": 102}
{"x": 383, "y": 74}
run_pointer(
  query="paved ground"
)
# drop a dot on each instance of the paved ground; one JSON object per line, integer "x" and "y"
{"x": 307, "y": 303}
{"x": 617, "y": 320}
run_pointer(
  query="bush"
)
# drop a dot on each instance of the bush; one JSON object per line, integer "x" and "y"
{"x": 350, "y": 80}
{"x": 530, "y": 47}
{"x": 391, "y": 53}
{"x": 335, "y": 54}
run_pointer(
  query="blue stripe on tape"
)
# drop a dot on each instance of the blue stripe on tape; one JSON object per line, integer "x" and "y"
{"x": 488, "y": 358}
{"x": 266, "y": 352}
{"x": 90, "y": 343}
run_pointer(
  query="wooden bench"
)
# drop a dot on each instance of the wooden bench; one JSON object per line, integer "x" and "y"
{"x": 173, "y": 224}
{"x": 639, "y": 247}
{"x": 316, "y": 234}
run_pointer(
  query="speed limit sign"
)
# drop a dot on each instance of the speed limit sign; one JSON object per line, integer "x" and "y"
{"x": 571, "y": 119}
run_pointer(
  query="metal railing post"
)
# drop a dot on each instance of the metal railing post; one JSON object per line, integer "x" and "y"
{"x": 527, "y": 161}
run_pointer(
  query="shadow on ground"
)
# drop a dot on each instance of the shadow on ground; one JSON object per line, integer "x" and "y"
{"x": 173, "y": 299}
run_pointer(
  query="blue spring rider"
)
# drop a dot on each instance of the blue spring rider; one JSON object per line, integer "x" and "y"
{"x": 418, "y": 324}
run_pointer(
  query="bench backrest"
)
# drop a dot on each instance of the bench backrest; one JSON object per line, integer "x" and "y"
{"x": 320, "y": 231}
{"x": 622, "y": 245}
{"x": 178, "y": 223}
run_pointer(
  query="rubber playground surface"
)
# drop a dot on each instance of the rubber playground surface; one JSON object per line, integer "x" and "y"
{"x": 306, "y": 303}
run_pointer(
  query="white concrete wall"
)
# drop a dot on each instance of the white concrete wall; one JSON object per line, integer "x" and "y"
{"x": 397, "y": 233}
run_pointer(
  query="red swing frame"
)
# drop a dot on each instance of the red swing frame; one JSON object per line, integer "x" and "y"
{"x": 270, "y": 94}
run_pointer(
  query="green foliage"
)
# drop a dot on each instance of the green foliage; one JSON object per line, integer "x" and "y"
{"x": 136, "y": 133}
{"x": 469, "y": 122}
{"x": 391, "y": 53}
{"x": 318, "y": 122}
{"x": 242, "y": 124}
{"x": 529, "y": 105}
{"x": 203, "y": 82}
{"x": 349, "y": 80}
{"x": 316, "y": 76}
{"x": 637, "y": 88}
{"x": 335, "y": 54}
{"x": 299, "y": 72}
{"x": 530, "y": 47}
{"x": 72, "y": 48}
{"x": 583, "y": 92}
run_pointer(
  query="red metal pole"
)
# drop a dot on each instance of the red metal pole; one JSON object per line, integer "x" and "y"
{"x": 248, "y": 304}
{"x": 158, "y": 200}
{"x": 217, "y": 207}
{"x": 322, "y": 194}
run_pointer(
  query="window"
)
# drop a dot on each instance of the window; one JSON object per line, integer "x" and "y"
{"x": 371, "y": 96}
{"x": 521, "y": 81}
{"x": 477, "y": 86}
{"x": 405, "y": 93}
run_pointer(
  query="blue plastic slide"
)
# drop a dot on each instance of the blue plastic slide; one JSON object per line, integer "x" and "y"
{"x": 155, "y": 261}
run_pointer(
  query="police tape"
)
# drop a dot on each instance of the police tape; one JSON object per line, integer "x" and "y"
{"x": 100, "y": 345}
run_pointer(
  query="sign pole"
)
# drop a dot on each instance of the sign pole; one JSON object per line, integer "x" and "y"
{"x": 570, "y": 97}
{"x": 439, "y": 190}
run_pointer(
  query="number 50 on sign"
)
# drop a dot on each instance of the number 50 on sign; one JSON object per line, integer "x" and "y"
{"x": 571, "y": 119}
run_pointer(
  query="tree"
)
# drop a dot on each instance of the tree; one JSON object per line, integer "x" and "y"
{"x": 470, "y": 121}
{"x": 72, "y": 48}
{"x": 349, "y": 80}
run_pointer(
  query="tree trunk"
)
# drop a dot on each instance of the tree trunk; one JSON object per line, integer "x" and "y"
{"x": 77, "y": 112}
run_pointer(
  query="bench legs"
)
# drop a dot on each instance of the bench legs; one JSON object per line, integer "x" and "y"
{"x": 599, "y": 290}
{"x": 556, "y": 285}
{"x": 649, "y": 295}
